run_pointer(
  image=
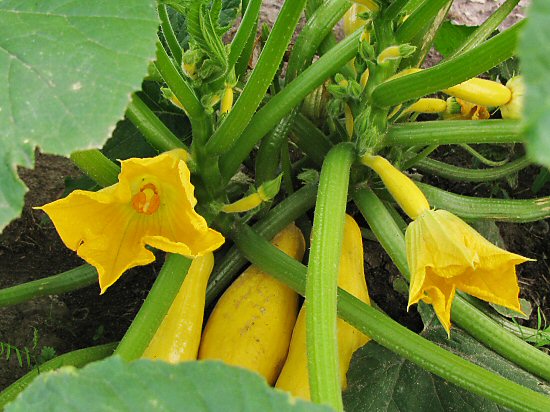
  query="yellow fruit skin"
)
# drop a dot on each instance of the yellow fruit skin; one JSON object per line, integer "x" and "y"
{"x": 427, "y": 105}
{"x": 294, "y": 376}
{"x": 227, "y": 100}
{"x": 252, "y": 323}
{"x": 351, "y": 21}
{"x": 178, "y": 337}
{"x": 481, "y": 92}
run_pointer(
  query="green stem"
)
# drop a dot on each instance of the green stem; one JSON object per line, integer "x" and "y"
{"x": 423, "y": 39}
{"x": 481, "y": 158}
{"x": 155, "y": 307}
{"x": 242, "y": 63}
{"x": 227, "y": 268}
{"x": 77, "y": 358}
{"x": 392, "y": 335}
{"x": 393, "y": 10}
{"x": 228, "y": 132}
{"x": 151, "y": 127}
{"x": 502, "y": 210}
{"x": 286, "y": 167}
{"x": 169, "y": 35}
{"x": 178, "y": 85}
{"x": 418, "y": 157}
{"x": 454, "y": 132}
{"x": 525, "y": 333}
{"x": 416, "y": 22}
{"x": 487, "y": 28}
{"x": 317, "y": 28}
{"x": 246, "y": 29}
{"x": 310, "y": 139}
{"x": 463, "y": 313}
{"x": 283, "y": 102}
{"x": 322, "y": 277}
{"x": 97, "y": 166}
{"x": 450, "y": 72}
{"x": 76, "y": 278}
{"x": 462, "y": 174}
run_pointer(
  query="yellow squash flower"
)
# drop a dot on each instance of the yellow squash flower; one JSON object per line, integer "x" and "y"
{"x": 445, "y": 254}
{"x": 151, "y": 205}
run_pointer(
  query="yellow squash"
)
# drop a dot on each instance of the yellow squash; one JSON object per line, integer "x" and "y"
{"x": 177, "y": 338}
{"x": 294, "y": 376}
{"x": 252, "y": 323}
{"x": 351, "y": 19}
{"x": 481, "y": 92}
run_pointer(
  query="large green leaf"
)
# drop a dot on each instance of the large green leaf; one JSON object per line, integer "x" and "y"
{"x": 146, "y": 386}
{"x": 67, "y": 71}
{"x": 379, "y": 380}
{"x": 451, "y": 36}
{"x": 535, "y": 63}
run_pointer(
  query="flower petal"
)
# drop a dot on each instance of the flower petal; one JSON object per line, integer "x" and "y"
{"x": 496, "y": 284}
{"x": 100, "y": 227}
{"x": 119, "y": 248}
{"x": 153, "y": 204}
{"x": 440, "y": 294}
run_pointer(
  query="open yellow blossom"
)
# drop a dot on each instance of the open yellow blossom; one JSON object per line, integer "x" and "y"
{"x": 151, "y": 205}
{"x": 445, "y": 254}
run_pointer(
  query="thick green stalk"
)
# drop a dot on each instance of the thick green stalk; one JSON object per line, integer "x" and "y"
{"x": 229, "y": 131}
{"x": 77, "y": 358}
{"x": 439, "y": 132}
{"x": 416, "y": 22}
{"x": 97, "y": 166}
{"x": 310, "y": 139}
{"x": 392, "y": 335}
{"x": 393, "y": 10}
{"x": 155, "y": 307}
{"x": 290, "y": 209}
{"x": 283, "y": 102}
{"x": 463, "y": 174}
{"x": 487, "y": 28}
{"x": 423, "y": 40}
{"x": 319, "y": 25}
{"x": 450, "y": 72}
{"x": 502, "y": 210}
{"x": 242, "y": 62}
{"x": 168, "y": 33}
{"x": 322, "y": 277}
{"x": 463, "y": 313}
{"x": 73, "y": 279}
{"x": 178, "y": 85}
{"x": 151, "y": 127}
{"x": 246, "y": 29}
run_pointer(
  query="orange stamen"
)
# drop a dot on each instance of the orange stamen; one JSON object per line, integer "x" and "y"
{"x": 147, "y": 200}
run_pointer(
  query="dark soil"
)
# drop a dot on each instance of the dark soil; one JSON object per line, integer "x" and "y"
{"x": 31, "y": 249}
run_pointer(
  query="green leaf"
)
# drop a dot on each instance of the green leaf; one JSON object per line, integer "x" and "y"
{"x": 203, "y": 20}
{"x": 535, "y": 56}
{"x": 379, "y": 380}
{"x": 451, "y": 36}
{"x": 127, "y": 141}
{"x": 228, "y": 15}
{"x": 145, "y": 385}
{"x": 68, "y": 70}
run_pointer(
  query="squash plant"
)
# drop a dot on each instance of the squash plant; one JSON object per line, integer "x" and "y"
{"x": 73, "y": 69}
